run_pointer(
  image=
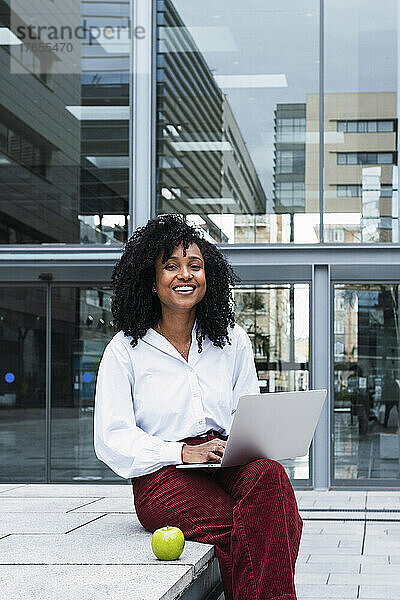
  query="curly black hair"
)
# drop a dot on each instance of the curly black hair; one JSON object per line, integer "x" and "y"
{"x": 135, "y": 308}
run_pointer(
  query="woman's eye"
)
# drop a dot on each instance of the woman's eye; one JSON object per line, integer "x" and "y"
{"x": 169, "y": 267}
{"x": 196, "y": 267}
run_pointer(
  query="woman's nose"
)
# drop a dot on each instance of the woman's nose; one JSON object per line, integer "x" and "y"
{"x": 184, "y": 272}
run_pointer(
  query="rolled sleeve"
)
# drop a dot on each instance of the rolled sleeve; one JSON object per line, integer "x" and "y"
{"x": 118, "y": 442}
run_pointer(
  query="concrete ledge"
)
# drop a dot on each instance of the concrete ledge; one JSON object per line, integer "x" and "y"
{"x": 207, "y": 586}
{"x": 85, "y": 541}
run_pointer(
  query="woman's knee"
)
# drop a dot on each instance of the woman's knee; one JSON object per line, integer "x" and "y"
{"x": 271, "y": 469}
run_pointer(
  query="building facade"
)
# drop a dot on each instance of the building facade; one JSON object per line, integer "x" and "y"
{"x": 276, "y": 132}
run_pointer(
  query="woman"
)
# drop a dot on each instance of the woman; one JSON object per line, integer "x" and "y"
{"x": 168, "y": 384}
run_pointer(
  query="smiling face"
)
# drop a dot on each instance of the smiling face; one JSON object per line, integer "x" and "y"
{"x": 181, "y": 281}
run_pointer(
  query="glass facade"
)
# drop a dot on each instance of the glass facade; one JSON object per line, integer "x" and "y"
{"x": 276, "y": 318}
{"x": 273, "y": 128}
{"x": 22, "y": 383}
{"x": 64, "y": 114}
{"x": 361, "y": 121}
{"x": 81, "y": 326}
{"x": 233, "y": 135}
{"x": 366, "y": 381}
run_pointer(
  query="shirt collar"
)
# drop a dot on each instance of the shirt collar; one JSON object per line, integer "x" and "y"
{"x": 157, "y": 340}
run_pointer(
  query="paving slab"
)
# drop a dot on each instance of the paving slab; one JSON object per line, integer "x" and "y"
{"x": 69, "y": 491}
{"x": 327, "y": 568}
{"x": 382, "y": 539}
{"x": 112, "y": 505}
{"x": 377, "y": 493}
{"x": 95, "y": 549}
{"x": 382, "y": 516}
{"x": 394, "y": 557}
{"x": 336, "y": 526}
{"x": 332, "y": 503}
{"x": 109, "y": 524}
{"x": 314, "y": 578}
{"x": 321, "y": 541}
{"x": 89, "y": 582}
{"x": 327, "y": 539}
{"x": 351, "y": 558}
{"x": 5, "y": 487}
{"x": 380, "y": 569}
{"x": 384, "y": 501}
{"x": 47, "y": 505}
{"x": 42, "y": 522}
{"x": 328, "y": 515}
{"x": 373, "y": 579}
{"x": 332, "y": 538}
{"x": 373, "y": 592}
{"x": 340, "y": 553}
{"x": 383, "y": 528}
{"x": 302, "y": 558}
{"x": 371, "y": 547}
{"x": 339, "y": 592}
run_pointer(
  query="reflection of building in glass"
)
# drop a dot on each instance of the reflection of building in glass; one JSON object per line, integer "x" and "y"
{"x": 360, "y": 158}
{"x": 289, "y": 158}
{"x": 367, "y": 366}
{"x": 81, "y": 328}
{"x": 39, "y": 151}
{"x": 346, "y": 326}
{"x": 359, "y": 171}
{"x": 104, "y": 182}
{"x": 22, "y": 348}
{"x": 268, "y": 315}
{"x": 62, "y": 169}
{"x": 204, "y": 166}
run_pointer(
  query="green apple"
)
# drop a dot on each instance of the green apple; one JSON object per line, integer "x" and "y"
{"x": 168, "y": 542}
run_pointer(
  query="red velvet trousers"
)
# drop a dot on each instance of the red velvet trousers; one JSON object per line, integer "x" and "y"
{"x": 249, "y": 513}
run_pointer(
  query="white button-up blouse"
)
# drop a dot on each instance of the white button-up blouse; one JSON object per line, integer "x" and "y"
{"x": 148, "y": 397}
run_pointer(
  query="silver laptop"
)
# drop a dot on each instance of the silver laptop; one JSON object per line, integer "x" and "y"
{"x": 277, "y": 425}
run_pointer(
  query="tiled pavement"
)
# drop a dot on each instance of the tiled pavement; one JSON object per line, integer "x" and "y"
{"x": 84, "y": 541}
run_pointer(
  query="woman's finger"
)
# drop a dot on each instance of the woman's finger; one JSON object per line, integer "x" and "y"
{"x": 215, "y": 456}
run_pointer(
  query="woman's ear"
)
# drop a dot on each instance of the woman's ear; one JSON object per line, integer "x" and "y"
{"x": 154, "y": 289}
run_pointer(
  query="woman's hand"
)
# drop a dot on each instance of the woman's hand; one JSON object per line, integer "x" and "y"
{"x": 203, "y": 453}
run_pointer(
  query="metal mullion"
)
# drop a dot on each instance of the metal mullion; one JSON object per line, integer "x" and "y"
{"x": 331, "y": 440}
{"x": 141, "y": 104}
{"x": 48, "y": 384}
{"x": 310, "y": 373}
{"x": 321, "y": 116}
{"x": 21, "y": 284}
{"x": 394, "y": 281}
{"x": 153, "y": 114}
{"x": 131, "y": 134}
{"x": 320, "y": 369}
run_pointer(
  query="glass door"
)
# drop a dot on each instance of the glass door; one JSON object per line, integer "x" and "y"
{"x": 81, "y": 327}
{"x": 366, "y": 384}
{"x": 277, "y": 320}
{"x": 22, "y": 383}
{"x": 50, "y": 437}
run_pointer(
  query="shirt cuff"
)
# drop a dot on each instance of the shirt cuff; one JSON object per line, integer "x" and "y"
{"x": 171, "y": 453}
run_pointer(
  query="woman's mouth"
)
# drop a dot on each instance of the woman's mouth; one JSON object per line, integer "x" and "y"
{"x": 184, "y": 290}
